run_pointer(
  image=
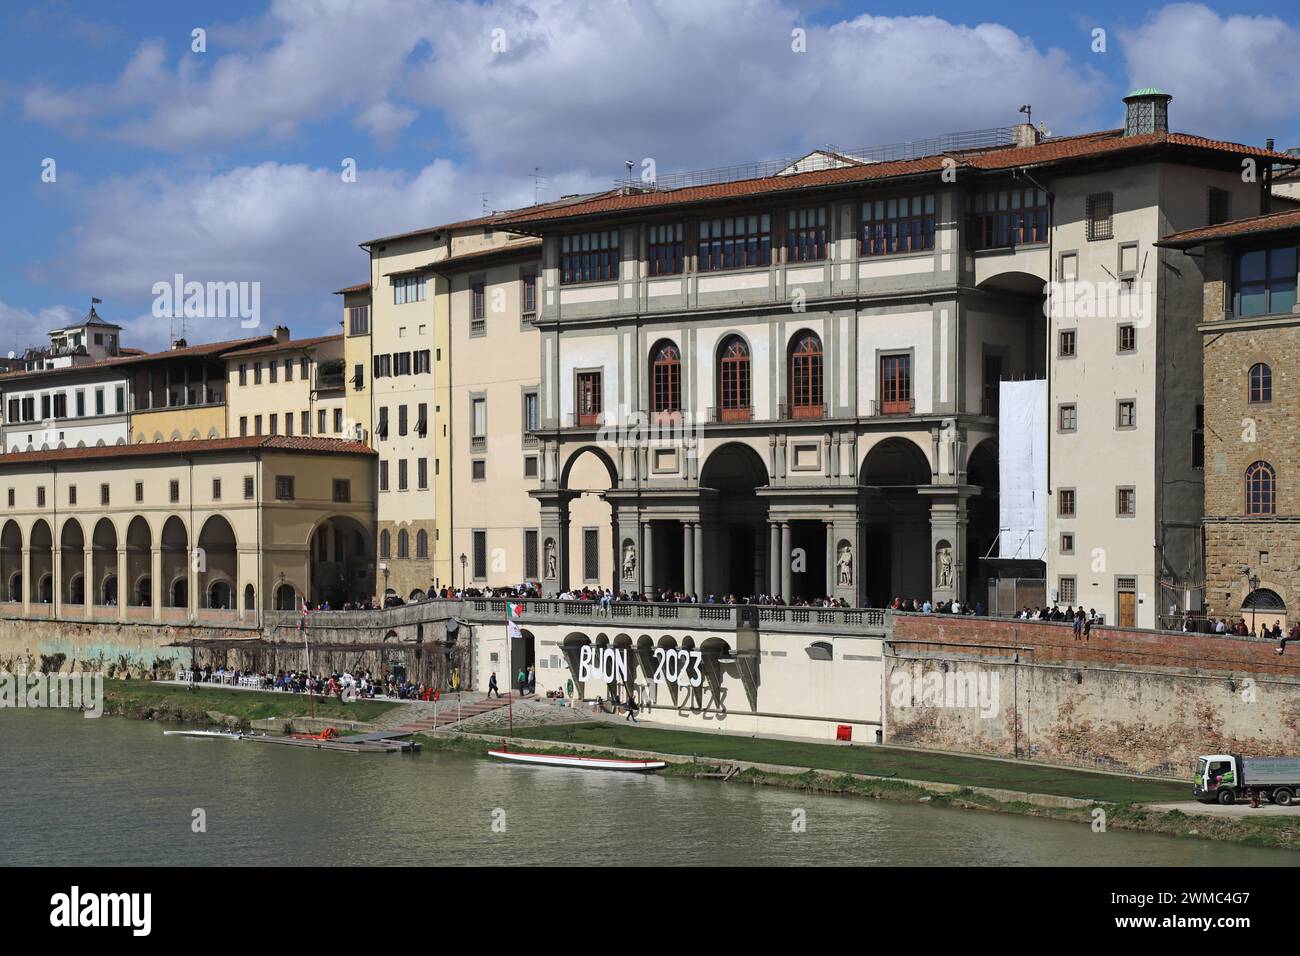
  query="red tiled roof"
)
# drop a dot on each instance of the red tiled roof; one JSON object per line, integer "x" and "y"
{"x": 282, "y": 443}
{"x": 1253, "y": 225}
{"x": 1057, "y": 150}
{"x": 286, "y": 346}
{"x": 360, "y": 287}
{"x": 470, "y": 259}
{"x": 134, "y": 357}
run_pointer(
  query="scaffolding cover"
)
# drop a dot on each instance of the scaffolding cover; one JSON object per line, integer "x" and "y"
{"x": 1022, "y": 470}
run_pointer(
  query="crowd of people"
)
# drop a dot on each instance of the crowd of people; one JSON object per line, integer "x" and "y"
{"x": 918, "y": 606}
{"x": 362, "y": 685}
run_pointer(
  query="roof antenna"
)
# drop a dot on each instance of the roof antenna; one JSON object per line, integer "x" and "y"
{"x": 539, "y": 181}
{"x": 484, "y": 197}
{"x": 1028, "y": 110}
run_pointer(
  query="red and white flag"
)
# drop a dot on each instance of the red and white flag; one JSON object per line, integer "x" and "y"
{"x": 514, "y": 611}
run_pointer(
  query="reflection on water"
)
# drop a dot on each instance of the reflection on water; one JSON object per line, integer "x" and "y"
{"x": 113, "y": 791}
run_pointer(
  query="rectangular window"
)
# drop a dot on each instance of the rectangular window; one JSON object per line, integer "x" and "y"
{"x": 139, "y": 491}
{"x": 359, "y": 376}
{"x": 288, "y": 370}
{"x": 806, "y": 235}
{"x": 530, "y": 555}
{"x": 173, "y": 491}
{"x": 895, "y": 384}
{"x": 530, "y": 293}
{"x": 359, "y": 320}
{"x": 45, "y": 406}
{"x": 320, "y": 421}
{"x": 1067, "y": 418}
{"x": 383, "y": 365}
{"x": 402, "y": 363}
{"x": 478, "y": 309}
{"x": 1126, "y": 413}
{"x": 480, "y": 555}
{"x": 737, "y": 242}
{"x": 589, "y": 399}
{"x": 381, "y": 428}
{"x": 257, "y": 424}
{"x": 1065, "y": 590}
{"x": 1198, "y": 439}
{"x": 1066, "y": 343}
{"x": 104, "y": 494}
{"x": 81, "y": 404}
{"x": 1127, "y": 339}
{"x": 383, "y": 476}
{"x": 1008, "y": 217}
{"x": 40, "y": 497}
{"x": 121, "y": 398}
{"x": 422, "y": 364}
{"x": 478, "y": 424}
{"x": 401, "y": 419}
{"x": 288, "y": 423}
{"x": 422, "y": 419}
{"x": 306, "y": 423}
{"x": 478, "y": 469}
{"x": 1218, "y": 203}
{"x": 60, "y": 405}
{"x": 72, "y": 495}
{"x": 422, "y": 473}
{"x": 11, "y": 498}
{"x": 342, "y": 490}
{"x": 248, "y": 487}
{"x": 1265, "y": 282}
{"x": 284, "y": 487}
{"x": 665, "y": 250}
{"x": 1100, "y": 209}
{"x": 589, "y": 257}
{"x": 532, "y": 417}
{"x": 216, "y": 489}
{"x": 275, "y": 424}
{"x": 1125, "y": 502}
{"x": 401, "y": 474}
{"x": 407, "y": 289}
{"x": 273, "y": 370}
{"x": 257, "y": 373}
{"x": 530, "y": 466}
{"x": 304, "y": 368}
{"x": 243, "y": 373}
{"x": 902, "y": 224}
{"x": 590, "y": 554}
{"x": 1067, "y": 543}
{"x": 338, "y": 421}
{"x": 1065, "y": 503}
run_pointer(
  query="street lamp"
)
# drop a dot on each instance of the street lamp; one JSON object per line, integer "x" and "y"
{"x": 463, "y": 561}
{"x": 1253, "y": 581}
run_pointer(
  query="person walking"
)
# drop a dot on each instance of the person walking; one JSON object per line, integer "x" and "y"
{"x": 522, "y": 680}
{"x": 492, "y": 685}
{"x": 631, "y": 706}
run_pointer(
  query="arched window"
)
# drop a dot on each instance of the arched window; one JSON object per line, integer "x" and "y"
{"x": 666, "y": 379}
{"x": 806, "y": 376}
{"x": 1261, "y": 383}
{"x": 421, "y": 544}
{"x": 385, "y": 545}
{"x": 403, "y": 544}
{"x": 1261, "y": 489}
{"x": 734, "y": 394}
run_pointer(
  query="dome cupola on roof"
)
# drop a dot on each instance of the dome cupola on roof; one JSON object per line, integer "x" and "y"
{"x": 1146, "y": 111}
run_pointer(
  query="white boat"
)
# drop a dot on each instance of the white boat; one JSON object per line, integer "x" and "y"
{"x": 220, "y": 734}
{"x": 582, "y": 763}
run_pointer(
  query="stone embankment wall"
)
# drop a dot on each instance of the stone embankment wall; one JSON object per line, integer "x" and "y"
{"x": 1142, "y": 701}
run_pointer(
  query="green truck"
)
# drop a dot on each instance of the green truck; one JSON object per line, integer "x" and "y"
{"x": 1222, "y": 778}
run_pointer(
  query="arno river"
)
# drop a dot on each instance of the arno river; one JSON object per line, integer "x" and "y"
{"x": 116, "y": 791}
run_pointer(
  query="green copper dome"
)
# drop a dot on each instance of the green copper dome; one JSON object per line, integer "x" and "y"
{"x": 1148, "y": 91}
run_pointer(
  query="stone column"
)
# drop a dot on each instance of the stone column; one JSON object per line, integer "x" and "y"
{"x": 123, "y": 586}
{"x": 88, "y": 582}
{"x": 56, "y": 592}
{"x": 27, "y": 582}
{"x": 192, "y": 583}
{"x": 699, "y": 562}
{"x": 155, "y": 582}
{"x": 773, "y": 557}
{"x": 688, "y": 556}
{"x": 647, "y": 580}
{"x": 832, "y": 572}
{"x": 786, "y": 576}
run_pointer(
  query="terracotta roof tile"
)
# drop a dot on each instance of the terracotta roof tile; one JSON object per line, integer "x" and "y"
{"x": 283, "y": 443}
{"x": 470, "y": 259}
{"x": 286, "y": 346}
{"x": 1253, "y": 225}
{"x": 360, "y": 287}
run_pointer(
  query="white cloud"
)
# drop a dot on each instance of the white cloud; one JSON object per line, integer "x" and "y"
{"x": 20, "y": 328}
{"x": 1230, "y": 76}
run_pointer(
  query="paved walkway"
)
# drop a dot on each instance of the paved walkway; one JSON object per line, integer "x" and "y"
{"x": 1240, "y": 809}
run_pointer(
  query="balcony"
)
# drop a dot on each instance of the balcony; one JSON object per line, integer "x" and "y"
{"x": 791, "y": 412}
{"x": 886, "y": 409}
{"x": 478, "y": 443}
{"x": 742, "y": 413}
{"x": 326, "y": 381}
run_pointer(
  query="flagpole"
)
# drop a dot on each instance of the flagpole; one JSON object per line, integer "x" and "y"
{"x": 311, "y": 701}
{"x": 510, "y": 697}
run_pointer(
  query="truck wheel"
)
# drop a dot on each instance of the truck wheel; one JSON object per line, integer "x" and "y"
{"x": 1227, "y": 797}
{"x": 1282, "y": 797}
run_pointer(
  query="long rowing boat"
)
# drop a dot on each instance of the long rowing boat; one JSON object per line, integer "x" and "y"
{"x": 582, "y": 763}
{"x": 217, "y": 734}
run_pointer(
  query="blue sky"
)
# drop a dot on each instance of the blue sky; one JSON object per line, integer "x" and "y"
{"x": 224, "y": 165}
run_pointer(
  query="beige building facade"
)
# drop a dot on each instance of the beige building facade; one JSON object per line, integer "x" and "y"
{"x": 288, "y": 387}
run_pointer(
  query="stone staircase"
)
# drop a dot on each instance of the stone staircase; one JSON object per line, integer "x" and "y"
{"x": 447, "y": 713}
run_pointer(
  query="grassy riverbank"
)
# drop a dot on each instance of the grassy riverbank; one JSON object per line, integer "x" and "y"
{"x": 149, "y": 701}
{"x": 879, "y": 761}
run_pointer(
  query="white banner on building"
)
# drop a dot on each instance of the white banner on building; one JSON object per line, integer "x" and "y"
{"x": 1022, "y": 470}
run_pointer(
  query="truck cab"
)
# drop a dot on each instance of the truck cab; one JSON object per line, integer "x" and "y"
{"x": 1216, "y": 778}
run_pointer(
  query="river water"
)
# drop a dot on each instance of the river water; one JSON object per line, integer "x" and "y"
{"x": 113, "y": 791}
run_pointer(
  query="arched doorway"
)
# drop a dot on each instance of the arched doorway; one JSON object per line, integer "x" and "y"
{"x": 589, "y": 473}
{"x": 103, "y": 544}
{"x": 1263, "y": 607}
{"x": 72, "y": 548}
{"x": 286, "y": 598}
{"x": 217, "y": 563}
{"x": 42, "y": 563}
{"x": 896, "y": 522}
{"x": 175, "y": 562}
{"x": 11, "y": 561}
{"x": 733, "y": 520}
{"x": 339, "y": 561}
{"x": 139, "y": 551}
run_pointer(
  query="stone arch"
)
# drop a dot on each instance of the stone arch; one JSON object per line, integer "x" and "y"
{"x": 103, "y": 540}
{"x": 896, "y": 522}
{"x": 601, "y": 454}
{"x": 139, "y": 562}
{"x": 217, "y": 563}
{"x": 11, "y": 560}
{"x": 41, "y": 548}
{"x": 250, "y": 597}
{"x": 72, "y": 548}
{"x": 734, "y": 521}
{"x": 174, "y": 541}
{"x": 338, "y": 548}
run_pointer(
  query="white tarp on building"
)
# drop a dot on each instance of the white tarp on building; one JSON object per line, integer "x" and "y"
{"x": 1022, "y": 470}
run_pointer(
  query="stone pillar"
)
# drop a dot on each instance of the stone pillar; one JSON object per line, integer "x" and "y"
{"x": 192, "y": 583}
{"x": 88, "y": 582}
{"x": 786, "y": 576}
{"x": 155, "y": 582}
{"x": 773, "y": 557}
{"x": 647, "y": 581}
{"x": 698, "y": 590}
{"x": 123, "y": 586}
{"x": 27, "y": 581}
{"x": 948, "y": 521}
{"x": 831, "y": 570}
{"x": 56, "y": 592}
{"x": 555, "y": 540}
{"x": 688, "y": 556}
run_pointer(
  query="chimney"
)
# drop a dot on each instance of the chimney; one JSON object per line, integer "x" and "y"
{"x": 1146, "y": 111}
{"x": 1025, "y": 134}
{"x": 281, "y": 333}
{"x": 179, "y": 344}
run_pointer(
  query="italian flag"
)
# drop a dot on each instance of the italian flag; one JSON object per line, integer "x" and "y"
{"x": 514, "y": 611}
